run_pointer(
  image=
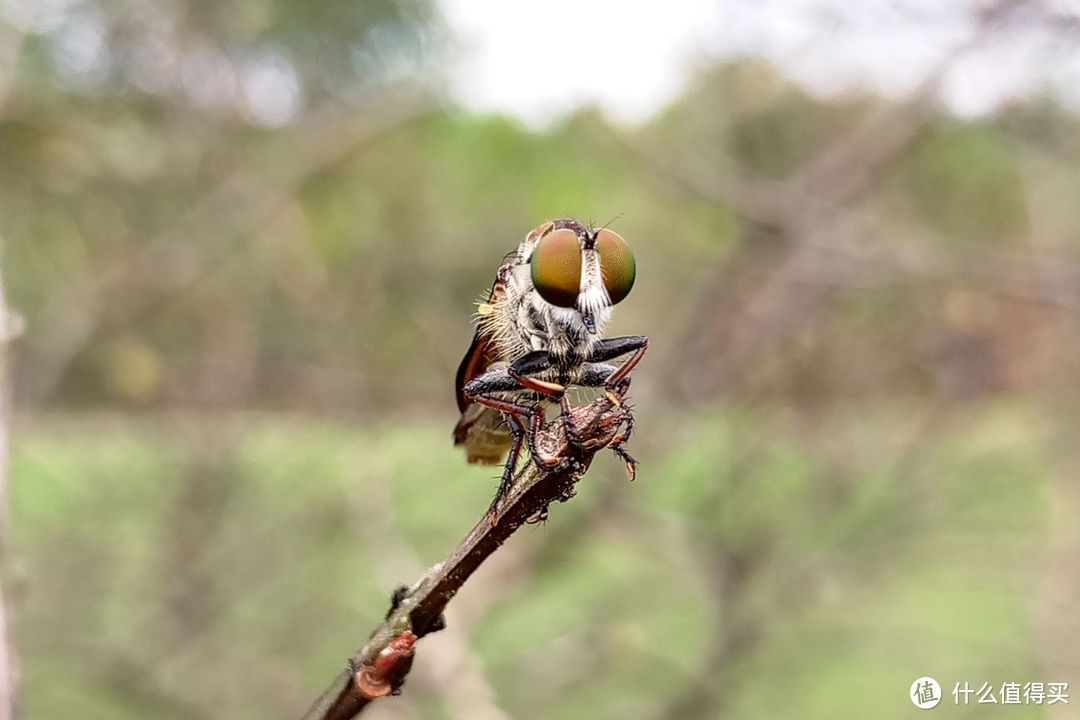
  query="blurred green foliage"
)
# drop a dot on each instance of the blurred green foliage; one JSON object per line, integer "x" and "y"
{"x": 231, "y": 588}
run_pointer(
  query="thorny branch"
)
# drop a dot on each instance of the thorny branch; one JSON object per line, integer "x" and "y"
{"x": 380, "y": 667}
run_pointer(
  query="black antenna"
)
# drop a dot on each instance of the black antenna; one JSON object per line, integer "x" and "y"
{"x": 605, "y": 225}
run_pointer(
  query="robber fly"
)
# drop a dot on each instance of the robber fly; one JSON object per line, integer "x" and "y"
{"x": 538, "y": 334}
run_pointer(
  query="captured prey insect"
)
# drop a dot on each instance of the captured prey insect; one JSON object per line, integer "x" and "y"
{"x": 538, "y": 334}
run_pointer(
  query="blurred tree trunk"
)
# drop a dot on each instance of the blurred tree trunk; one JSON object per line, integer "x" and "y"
{"x": 1058, "y": 619}
{"x": 10, "y": 325}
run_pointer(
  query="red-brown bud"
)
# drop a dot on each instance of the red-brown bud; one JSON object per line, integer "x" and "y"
{"x": 377, "y": 679}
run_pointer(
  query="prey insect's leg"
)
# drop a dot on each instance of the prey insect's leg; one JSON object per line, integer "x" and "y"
{"x": 599, "y": 375}
{"x": 592, "y": 375}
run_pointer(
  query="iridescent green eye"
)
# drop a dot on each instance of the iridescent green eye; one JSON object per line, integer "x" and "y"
{"x": 556, "y": 268}
{"x": 616, "y": 264}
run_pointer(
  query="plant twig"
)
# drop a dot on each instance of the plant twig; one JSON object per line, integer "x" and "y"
{"x": 380, "y": 667}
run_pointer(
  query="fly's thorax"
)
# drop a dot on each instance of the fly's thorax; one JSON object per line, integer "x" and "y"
{"x": 497, "y": 318}
{"x": 569, "y": 338}
{"x": 526, "y": 331}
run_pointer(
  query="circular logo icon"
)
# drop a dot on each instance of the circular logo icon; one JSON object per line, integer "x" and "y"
{"x": 925, "y": 693}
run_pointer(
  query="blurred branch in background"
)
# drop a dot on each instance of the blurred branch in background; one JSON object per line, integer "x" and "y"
{"x": 778, "y": 282}
{"x": 10, "y": 329}
{"x": 177, "y": 258}
{"x": 11, "y": 45}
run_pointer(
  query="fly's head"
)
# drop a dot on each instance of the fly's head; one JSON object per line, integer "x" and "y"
{"x": 577, "y": 270}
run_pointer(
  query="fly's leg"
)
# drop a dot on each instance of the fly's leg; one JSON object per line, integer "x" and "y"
{"x": 489, "y": 390}
{"x": 522, "y": 370}
{"x": 540, "y": 517}
{"x": 595, "y": 373}
{"x": 528, "y": 419}
{"x": 612, "y": 348}
{"x": 617, "y": 383}
{"x": 486, "y": 389}
{"x": 618, "y": 443}
{"x": 507, "y": 479}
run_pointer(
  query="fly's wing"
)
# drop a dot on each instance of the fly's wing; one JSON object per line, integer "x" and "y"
{"x": 480, "y": 429}
{"x": 484, "y": 434}
{"x": 478, "y": 358}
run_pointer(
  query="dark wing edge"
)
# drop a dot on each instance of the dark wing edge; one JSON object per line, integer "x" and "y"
{"x": 480, "y": 429}
{"x": 473, "y": 364}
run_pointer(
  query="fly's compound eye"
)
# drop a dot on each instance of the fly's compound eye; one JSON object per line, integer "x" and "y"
{"x": 616, "y": 264}
{"x": 556, "y": 268}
